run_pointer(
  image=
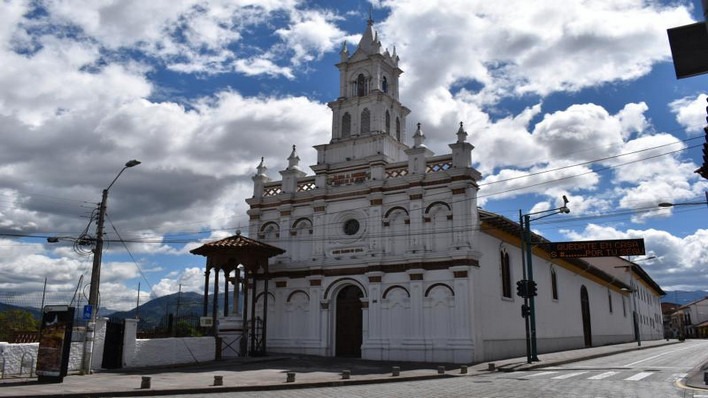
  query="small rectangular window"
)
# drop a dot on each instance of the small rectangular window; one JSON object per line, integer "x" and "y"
{"x": 554, "y": 285}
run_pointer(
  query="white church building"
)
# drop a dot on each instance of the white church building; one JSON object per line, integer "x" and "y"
{"x": 387, "y": 255}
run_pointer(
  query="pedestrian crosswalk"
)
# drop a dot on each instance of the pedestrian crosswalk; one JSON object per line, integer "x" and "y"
{"x": 618, "y": 374}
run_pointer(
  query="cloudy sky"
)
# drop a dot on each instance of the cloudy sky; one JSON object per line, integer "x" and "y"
{"x": 559, "y": 97}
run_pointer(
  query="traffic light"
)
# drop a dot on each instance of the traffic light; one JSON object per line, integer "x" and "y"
{"x": 531, "y": 289}
{"x": 522, "y": 288}
{"x": 525, "y": 310}
{"x": 703, "y": 170}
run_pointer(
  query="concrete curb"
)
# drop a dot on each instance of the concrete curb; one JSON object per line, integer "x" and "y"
{"x": 526, "y": 366}
{"x": 226, "y": 389}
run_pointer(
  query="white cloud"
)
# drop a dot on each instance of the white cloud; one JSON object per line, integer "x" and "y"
{"x": 690, "y": 112}
{"x": 310, "y": 35}
{"x": 681, "y": 263}
{"x": 530, "y": 47}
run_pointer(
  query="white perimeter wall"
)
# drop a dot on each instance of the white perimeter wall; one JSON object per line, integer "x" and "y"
{"x": 21, "y": 359}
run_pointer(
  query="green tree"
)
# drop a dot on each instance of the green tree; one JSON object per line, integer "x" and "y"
{"x": 184, "y": 329}
{"x": 12, "y": 321}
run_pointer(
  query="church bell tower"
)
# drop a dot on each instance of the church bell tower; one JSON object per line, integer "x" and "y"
{"x": 367, "y": 119}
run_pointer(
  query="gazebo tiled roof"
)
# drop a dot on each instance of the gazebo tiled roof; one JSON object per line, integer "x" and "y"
{"x": 237, "y": 244}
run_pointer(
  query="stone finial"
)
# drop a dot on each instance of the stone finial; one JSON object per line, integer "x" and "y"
{"x": 461, "y": 134}
{"x": 344, "y": 52}
{"x": 418, "y": 138}
{"x": 293, "y": 160}
{"x": 261, "y": 169}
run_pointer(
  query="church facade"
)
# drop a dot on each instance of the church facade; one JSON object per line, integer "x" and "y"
{"x": 387, "y": 255}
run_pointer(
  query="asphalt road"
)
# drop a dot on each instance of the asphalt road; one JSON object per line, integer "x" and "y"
{"x": 647, "y": 373}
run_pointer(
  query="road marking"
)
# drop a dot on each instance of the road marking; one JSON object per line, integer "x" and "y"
{"x": 603, "y": 375}
{"x": 660, "y": 355}
{"x": 541, "y": 374}
{"x": 568, "y": 375}
{"x": 639, "y": 376}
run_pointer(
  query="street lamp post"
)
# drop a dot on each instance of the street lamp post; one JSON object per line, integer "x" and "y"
{"x": 526, "y": 246}
{"x": 96, "y": 273}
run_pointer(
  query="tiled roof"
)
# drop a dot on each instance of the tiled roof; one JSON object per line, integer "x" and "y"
{"x": 236, "y": 242}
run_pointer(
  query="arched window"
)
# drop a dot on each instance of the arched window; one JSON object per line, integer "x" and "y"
{"x": 365, "y": 125}
{"x": 398, "y": 129}
{"x": 361, "y": 85}
{"x": 388, "y": 123}
{"x": 384, "y": 85}
{"x": 346, "y": 125}
{"x": 270, "y": 231}
{"x": 554, "y": 284}
{"x": 505, "y": 274}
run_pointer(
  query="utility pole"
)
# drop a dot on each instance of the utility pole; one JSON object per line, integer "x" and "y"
{"x": 530, "y": 285}
{"x": 96, "y": 275}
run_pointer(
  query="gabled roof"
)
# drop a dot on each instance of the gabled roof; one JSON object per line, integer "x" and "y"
{"x": 694, "y": 302}
{"x": 504, "y": 224}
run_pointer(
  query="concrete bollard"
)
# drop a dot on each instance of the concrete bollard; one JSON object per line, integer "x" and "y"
{"x": 491, "y": 367}
{"x": 290, "y": 377}
{"x": 218, "y": 380}
{"x": 346, "y": 374}
{"x": 463, "y": 369}
{"x": 441, "y": 370}
{"x": 145, "y": 382}
{"x": 396, "y": 371}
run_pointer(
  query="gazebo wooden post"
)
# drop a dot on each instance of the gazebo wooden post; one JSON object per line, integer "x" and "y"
{"x": 244, "y": 338}
{"x": 206, "y": 289}
{"x": 237, "y": 290}
{"x": 215, "y": 302}
{"x": 253, "y": 312}
{"x": 226, "y": 291}
{"x": 265, "y": 307}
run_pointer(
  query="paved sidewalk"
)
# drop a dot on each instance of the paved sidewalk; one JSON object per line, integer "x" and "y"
{"x": 269, "y": 373}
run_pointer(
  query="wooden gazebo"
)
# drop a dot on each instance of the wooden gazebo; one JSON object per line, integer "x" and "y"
{"x": 226, "y": 255}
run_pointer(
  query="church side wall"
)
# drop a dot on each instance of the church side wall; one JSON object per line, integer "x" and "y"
{"x": 559, "y": 324}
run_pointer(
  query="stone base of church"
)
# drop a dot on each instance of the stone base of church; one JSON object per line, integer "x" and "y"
{"x": 420, "y": 350}
{"x": 302, "y": 347}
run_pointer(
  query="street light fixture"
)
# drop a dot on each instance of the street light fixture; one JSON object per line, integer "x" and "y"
{"x": 96, "y": 273}
{"x": 527, "y": 267}
{"x": 667, "y": 204}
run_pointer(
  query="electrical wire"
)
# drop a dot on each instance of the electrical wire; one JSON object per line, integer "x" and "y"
{"x": 125, "y": 246}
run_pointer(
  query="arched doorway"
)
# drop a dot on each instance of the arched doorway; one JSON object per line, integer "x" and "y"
{"x": 348, "y": 322}
{"x": 585, "y": 309}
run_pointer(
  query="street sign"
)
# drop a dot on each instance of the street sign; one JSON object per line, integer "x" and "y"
{"x": 596, "y": 248}
{"x": 87, "y": 312}
{"x": 689, "y": 48}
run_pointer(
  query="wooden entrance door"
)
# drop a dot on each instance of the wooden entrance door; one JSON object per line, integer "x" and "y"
{"x": 585, "y": 309}
{"x": 348, "y": 323}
